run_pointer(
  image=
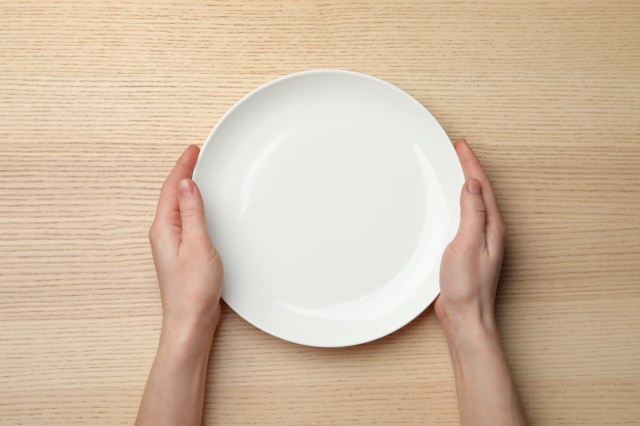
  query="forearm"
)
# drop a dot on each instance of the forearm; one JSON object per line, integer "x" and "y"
{"x": 486, "y": 393}
{"x": 174, "y": 393}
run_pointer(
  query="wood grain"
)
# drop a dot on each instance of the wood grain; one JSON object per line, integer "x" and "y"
{"x": 97, "y": 99}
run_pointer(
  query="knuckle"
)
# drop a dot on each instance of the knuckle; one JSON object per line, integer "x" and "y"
{"x": 475, "y": 206}
{"x": 153, "y": 232}
{"x": 215, "y": 260}
{"x": 479, "y": 206}
{"x": 215, "y": 255}
{"x": 189, "y": 211}
{"x": 156, "y": 234}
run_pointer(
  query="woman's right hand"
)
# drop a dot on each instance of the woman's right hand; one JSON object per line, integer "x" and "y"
{"x": 469, "y": 274}
{"x": 471, "y": 263}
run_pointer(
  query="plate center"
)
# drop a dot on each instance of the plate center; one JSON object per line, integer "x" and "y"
{"x": 336, "y": 208}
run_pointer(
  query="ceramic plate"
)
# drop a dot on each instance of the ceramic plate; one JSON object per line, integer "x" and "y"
{"x": 330, "y": 196}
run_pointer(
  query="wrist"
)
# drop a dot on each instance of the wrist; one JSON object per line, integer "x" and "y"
{"x": 473, "y": 338}
{"x": 466, "y": 321}
{"x": 186, "y": 341}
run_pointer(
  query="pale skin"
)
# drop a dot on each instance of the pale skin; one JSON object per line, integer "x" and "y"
{"x": 468, "y": 281}
{"x": 190, "y": 279}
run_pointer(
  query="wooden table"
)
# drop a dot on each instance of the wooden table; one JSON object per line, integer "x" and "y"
{"x": 97, "y": 99}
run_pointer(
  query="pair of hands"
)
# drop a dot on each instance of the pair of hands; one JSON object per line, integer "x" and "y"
{"x": 190, "y": 271}
{"x": 190, "y": 277}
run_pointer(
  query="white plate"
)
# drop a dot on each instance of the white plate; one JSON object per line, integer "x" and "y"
{"x": 330, "y": 196}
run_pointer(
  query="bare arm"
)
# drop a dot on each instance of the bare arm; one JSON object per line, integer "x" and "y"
{"x": 190, "y": 279}
{"x": 468, "y": 280}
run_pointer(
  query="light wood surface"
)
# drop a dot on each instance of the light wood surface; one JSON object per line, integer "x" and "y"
{"x": 97, "y": 99}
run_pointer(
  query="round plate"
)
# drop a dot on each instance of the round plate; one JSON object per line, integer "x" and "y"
{"x": 330, "y": 196}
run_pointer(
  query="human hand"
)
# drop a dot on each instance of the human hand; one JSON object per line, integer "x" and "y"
{"x": 471, "y": 263}
{"x": 469, "y": 274}
{"x": 188, "y": 266}
{"x": 190, "y": 278}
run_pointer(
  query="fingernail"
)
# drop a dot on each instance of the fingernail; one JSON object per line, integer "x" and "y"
{"x": 185, "y": 187}
{"x": 459, "y": 140}
{"x": 473, "y": 186}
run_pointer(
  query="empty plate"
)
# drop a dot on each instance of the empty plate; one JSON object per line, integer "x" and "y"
{"x": 330, "y": 196}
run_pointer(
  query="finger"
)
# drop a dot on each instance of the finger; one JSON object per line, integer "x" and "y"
{"x": 194, "y": 226}
{"x": 471, "y": 232}
{"x": 473, "y": 169}
{"x": 168, "y": 202}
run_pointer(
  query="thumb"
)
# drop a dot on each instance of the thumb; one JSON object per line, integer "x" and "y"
{"x": 194, "y": 227}
{"x": 473, "y": 213}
